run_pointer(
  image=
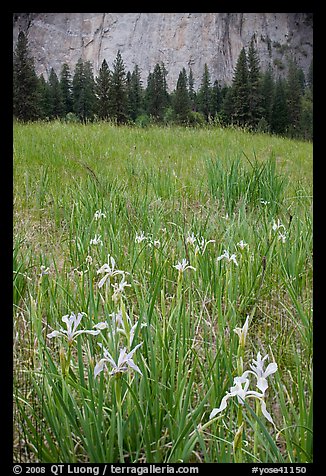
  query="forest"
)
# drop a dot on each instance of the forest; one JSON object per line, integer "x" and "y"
{"x": 277, "y": 101}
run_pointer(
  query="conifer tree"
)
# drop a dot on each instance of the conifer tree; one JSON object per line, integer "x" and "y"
{"x": 66, "y": 88}
{"x": 181, "y": 102}
{"x": 44, "y": 104}
{"x": 294, "y": 96}
{"x": 102, "y": 91}
{"x": 216, "y": 98}
{"x": 267, "y": 94}
{"x": 191, "y": 91}
{"x": 279, "y": 117}
{"x": 83, "y": 91}
{"x": 240, "y": 90}
{"x": 227, "y": 105}
{"x": 254, "y": 86}
{"x": 56, "y": 104}
{"x": 135, "y": 94}
{"x": 118, "y": 99}
{"x": 156, "y": 92}
{"x": 205, "y": 94}
{"x": 25, "y": 82}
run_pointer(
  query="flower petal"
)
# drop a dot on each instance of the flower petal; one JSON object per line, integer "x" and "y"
{"x": 270, "y": 369}
{"x": 99, "y": 367}
{"x": 132, "y": 364}
{"x": 265, "y": 412}
{"x": 54, "y": 334}
{"x": 105, "y": 277}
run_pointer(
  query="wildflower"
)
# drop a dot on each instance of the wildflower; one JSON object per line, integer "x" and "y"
{"x": 242, "y": 332}
{"x": 261, "y": 374}
{"x": 181, "y": 267}
{"x": 264, "y": 202}
{"x": 229, "y": 258}
{"x": 282, "y": 237}
{"x": 89, "y": 259}
{"x": 140, "y": 238}
{"x": 201, "y": 247}
{"x": 191, "y": 239}
{"x": 242, "y": 244}
{"x": 278, "y": 225}
{"x": 44, "y": 271}
{"x": 72, "y": 323}
{"x": 117, "y": 322}
{"x": 98, "y": 215}
{"x": 124, "y": 361}
{"x": 240, "y": 390}
{"x": 108, "y": 271}
{"x": 157, "y": 243}
{"x": 119, "y": 289}
{"x": 96, "y": 240}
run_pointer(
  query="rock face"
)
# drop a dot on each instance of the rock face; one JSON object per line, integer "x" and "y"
{"x": 178, "y": 39}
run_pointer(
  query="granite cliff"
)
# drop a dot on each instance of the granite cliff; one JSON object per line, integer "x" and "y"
{"x": 178, "y": 39}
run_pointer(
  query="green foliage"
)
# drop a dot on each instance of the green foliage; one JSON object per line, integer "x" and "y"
{"x": 56, "y": 101}
{"x": 181, "y": 101}
{"x": 156, "y": 92}
{"x": 25, "y": 83}
{"x": 66, "y": 88}
{"x": 240, "y": 91}
{"x": 83, "y": 91}
{"x": 252, "y": 100}
{"x": 102, "y": 91}
{"x": 222, "y": 184}
{"x": 254, "y": 84}
{"x": 118, "y": 99}
{"x": 135, "y": 94}
{"x": 204, "y": 95}
{"x": 279, "y": 118}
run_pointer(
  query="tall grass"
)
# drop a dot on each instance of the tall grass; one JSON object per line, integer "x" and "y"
{"x": 227, "y": 186}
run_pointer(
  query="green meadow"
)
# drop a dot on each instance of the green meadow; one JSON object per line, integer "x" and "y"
{"x": 180, "y": 260}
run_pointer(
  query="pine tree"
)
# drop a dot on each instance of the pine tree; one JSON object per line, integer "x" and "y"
{"x": 267, "y": 94}
{"x": 191, "y": 91}
{"x": 181, "y": 102}
{"x": 83, "y": 91}
{"x": 102, "y": 91}
{"x": 216, "y": 98}
{"x": 156, "y": 92}
{"x": 279, "y": 117}
{"x": 240, "y": 91}
{"x": 205, "y": 94}
{"x": 227, "y": 105}
{"x": 294, "y": 96}
{"x": 56, "y": 104}
{"x": 66, "y": 88}
{"x": 254, "y": 86}
{"x": 118, "y": 100}
{"x": 135, "y": 94}
{"x": 44, "y": 101}
{"x": 25, "y": 82}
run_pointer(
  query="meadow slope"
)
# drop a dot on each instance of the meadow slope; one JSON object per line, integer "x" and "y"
{"x": 157, "y": 243}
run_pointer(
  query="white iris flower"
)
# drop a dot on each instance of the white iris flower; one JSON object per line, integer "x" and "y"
{"x": 258, "y": 370}
{"x": 240, "y": 390}
{"x": 242, "y": 332}
{"x": 72, "y": 323}
{"x": 108, "y": 271}
{"x": 181, "y": 267}
{"x": 226, "y": 255}
{"x": 124, "y": 363}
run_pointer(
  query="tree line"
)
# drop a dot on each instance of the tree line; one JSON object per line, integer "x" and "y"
{"x": 256, "y": 99}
